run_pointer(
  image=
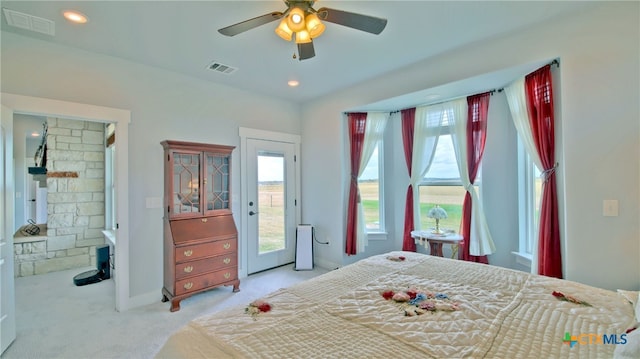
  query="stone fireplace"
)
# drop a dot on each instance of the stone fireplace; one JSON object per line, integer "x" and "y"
{"x": 75, "y": 183}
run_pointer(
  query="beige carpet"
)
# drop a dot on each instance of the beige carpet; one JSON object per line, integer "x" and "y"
{"x": 56, "y": 319}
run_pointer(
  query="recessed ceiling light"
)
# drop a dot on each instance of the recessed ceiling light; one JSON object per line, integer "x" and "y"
{"x": 75, "y": 16}
{"x": 293, "y": 83}
{"x": 35, "y": 134}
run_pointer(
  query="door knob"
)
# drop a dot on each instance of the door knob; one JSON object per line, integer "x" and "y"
{"x": 251, "y": 213}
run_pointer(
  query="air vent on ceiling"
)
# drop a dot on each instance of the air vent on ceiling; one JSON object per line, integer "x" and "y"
{"x": 218, "y": 67}
{"x": 29, "y": 22}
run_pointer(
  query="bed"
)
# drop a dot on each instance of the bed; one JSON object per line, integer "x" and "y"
{"x": 369, "y": 310}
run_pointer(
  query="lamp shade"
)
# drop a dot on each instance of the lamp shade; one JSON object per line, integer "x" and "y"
{"x": 437, "y": 213}
{"x": 303, "y": 37}
{"x": 295, "y": 20}
{"x": 284, "y": 31}
{"x": 314, "y": 25}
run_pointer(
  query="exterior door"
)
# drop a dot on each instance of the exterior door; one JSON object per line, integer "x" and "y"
{"x": 270, "y": 204}
{"x": 7, "y": 287}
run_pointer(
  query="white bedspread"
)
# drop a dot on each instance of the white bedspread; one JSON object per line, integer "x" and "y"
{"x": 501, "y": 313}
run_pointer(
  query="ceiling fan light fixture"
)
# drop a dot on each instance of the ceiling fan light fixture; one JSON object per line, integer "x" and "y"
{"x": 303, "y": 37}
{"x": 284, "y": 31}
{"x": 302, "y": 20}
{"x": 295, "y": 20}
{"x": 314, "y": 25}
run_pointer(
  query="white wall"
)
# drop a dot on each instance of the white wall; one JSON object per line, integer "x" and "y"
{"x": 163, "y": 105}
{"x": 599, "y": 53}
{"x": 500, "y": 191}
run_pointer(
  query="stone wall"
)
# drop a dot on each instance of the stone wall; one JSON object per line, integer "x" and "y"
{"x": 76, "y": 203}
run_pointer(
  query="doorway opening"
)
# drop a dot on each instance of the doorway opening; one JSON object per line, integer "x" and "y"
{"x": 61, "y": 216}
{"x": 270, "y": 191}
{"x": 25, "y": 105}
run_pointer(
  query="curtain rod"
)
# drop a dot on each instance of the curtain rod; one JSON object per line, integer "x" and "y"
{"x": 492, "y": 92}
{"x": 448, "y": 100}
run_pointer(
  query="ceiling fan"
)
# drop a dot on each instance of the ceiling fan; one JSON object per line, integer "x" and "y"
{"x": 302, "y": 22}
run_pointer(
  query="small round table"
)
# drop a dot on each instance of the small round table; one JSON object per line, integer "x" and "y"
{"x": 437, "y": 240}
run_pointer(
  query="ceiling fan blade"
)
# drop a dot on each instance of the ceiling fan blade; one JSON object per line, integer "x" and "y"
{"x": 246, "y": 25}
{"x": 306, "y": 51}
{"x": 367, "y": 23}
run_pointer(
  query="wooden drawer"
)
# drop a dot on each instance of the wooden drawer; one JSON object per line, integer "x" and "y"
{"x": 194, "y": 229}
{"x": 193, "y": 268}
{"x": 206, "y": 280}
{"x": 199, "y": 251}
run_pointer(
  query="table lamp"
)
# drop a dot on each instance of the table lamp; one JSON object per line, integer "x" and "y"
{"x": 437, "y": 213}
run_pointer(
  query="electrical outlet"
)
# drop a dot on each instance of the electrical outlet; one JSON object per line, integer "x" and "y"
{"x": 610, "y": 207}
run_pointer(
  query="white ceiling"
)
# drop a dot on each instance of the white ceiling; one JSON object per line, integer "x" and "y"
{"x": 181, "y": 36}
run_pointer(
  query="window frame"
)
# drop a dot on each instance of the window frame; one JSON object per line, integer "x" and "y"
{"x": 445, "y": 130}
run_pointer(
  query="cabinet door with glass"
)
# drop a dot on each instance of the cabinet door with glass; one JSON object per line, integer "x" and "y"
{"x": 197, "y": 179}
{"x": 185, "y": 183}
{"x": 216, "y": 187}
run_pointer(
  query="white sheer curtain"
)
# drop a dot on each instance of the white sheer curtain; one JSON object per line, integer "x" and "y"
{"x": 425, "y": 139}
{"x": 374, "y": 130}
{"x": 480, "y": 241}
{"x": 517, "y": 99}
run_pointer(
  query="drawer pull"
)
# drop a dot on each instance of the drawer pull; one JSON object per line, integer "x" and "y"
{"x": 227, "y": 245}
{"x": 226, "y": 260}
{"x": 188, "y": 253}
{"x": 188, "y": 286}
{"x": 188, "y": 269}
{"x": 204, "y": 220}
{"x": 227, "y": 275}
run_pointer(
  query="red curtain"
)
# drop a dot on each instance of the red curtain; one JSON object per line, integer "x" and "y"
{"x": 478, "y": 106}
{"x": 539, "y": 92}
{"x": 408, "y": 126}
{"x": 356, "y": 122}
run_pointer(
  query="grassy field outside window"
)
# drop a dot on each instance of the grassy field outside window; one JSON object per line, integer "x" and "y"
{"x": 450, "y": 198}
{"x": 272, "y": 216}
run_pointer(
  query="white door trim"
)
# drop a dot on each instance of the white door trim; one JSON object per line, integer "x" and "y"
{"x": 78, "y": 111}
{"x": 7, "y": 207}
{"x": 246, "y": 133}
{"x": 256, "y": 260}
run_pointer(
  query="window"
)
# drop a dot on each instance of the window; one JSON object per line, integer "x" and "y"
{"x": 530, "y": 191}
{"x": 442, "y": 185}
{"x": 370, "y": 184}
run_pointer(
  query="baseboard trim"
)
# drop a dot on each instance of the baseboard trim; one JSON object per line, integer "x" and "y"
{"x": 327, "y": 264}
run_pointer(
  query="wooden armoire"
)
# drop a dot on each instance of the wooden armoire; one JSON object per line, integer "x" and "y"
{"x": 200, "y": 235}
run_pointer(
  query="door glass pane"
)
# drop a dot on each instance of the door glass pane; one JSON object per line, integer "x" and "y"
{"x": 271, "y": 202}
{"x": 186, "y": 171}
{"x": 217, "y": 182}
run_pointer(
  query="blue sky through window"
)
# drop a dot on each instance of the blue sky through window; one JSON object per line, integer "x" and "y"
{"x": 270, "y": 168}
